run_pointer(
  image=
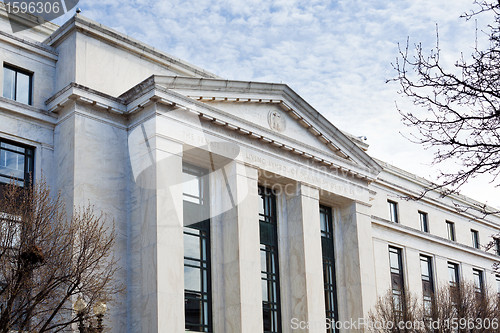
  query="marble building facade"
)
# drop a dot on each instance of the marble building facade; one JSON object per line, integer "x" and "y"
{"x": 265, "y": 189}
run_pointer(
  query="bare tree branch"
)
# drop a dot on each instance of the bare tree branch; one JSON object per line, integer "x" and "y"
{"x": 47, "y": 259}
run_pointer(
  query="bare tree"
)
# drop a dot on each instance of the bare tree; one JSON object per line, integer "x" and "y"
{"x": 461, "y": 105}
{"x": 460, "y": 309}
{"x": 391, "y": 310}
{"x": 460, "y": 109}
{"x": 47, "y": 259}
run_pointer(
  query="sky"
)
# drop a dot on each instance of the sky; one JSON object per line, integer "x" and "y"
{"x": 337, "y": 55}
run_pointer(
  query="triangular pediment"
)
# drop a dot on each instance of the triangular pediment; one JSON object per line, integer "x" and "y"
{"x": 270, "y": 113}
{"x": 275, "y": 107}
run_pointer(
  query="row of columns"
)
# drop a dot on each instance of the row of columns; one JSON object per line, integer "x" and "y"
{"x": 236, "y": 263}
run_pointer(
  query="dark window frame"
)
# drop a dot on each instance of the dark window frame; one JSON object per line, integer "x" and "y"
{"x": 475, "y": 238}
{"x": 424, "y": 221}
{"x": 456, "y": 274}
{"x": 393, "y": 211}
{"x": 23, "y": 71}
{"x": 497, "y": 246}
{"x": 397, "y": 278}
{"x": 450, "y": 228}
{"x": 480, "y": 280}
{"x": 329, "y": 273}
{"x": 268, "y": 229}
{"x": 29, "y": 163}
{"x": 497, "y": 279}
{"x": 427, "y": 282}
{"x": 201, "y": 230}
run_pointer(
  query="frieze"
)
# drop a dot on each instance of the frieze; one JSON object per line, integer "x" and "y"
{"x": 306, "y": 171}
{"x": 276, "y": 148}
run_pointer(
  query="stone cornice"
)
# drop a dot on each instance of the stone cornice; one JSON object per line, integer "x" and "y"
{"x": 434, "y": 202}
{"x": 76, "y": 92}
{"x": 423, "y": 183}
{"x": 433, "y": 238}
{"x": 27, "y": 111}
{"x": 31, "y": 46}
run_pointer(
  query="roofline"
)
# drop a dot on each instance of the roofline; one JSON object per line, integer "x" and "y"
{"x": 422, "y": 182}
{"x": 104, "y": 33}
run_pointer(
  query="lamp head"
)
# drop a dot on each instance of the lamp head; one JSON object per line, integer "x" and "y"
{"x": 100, "y": 308}
{"x": 79, "y": 305}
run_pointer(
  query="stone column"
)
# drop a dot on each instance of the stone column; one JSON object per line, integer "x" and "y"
{"x": 241, "y": 255}
{"x": 356, "y": 262}
{"x": 305, "y": 259}
{"x": 156, "y": 291}
{"x": 170, "y": 244}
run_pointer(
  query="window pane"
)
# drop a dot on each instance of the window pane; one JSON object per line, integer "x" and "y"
{"x": 12, "y": 147}
{"x": 192, "y": 278}
{"x": 451, "y": 230}
{"x": 475, "y": 239}
{"x": 261, "y": 205}
{"x": 9, "y": 82}
{"x": 478, "y": 280}
{"x": 423, "y": 222}
{"x": 453, "y": 273}
{"x": 323, "y": 222}
{"x": 11, "y": 164}
{"x": 191, "y": 188}
{"x": 23, "y": 88}
{"x": 191, "y": 246}
{"x": 394, "y": 256}
{"x": 393, "y": 211}
{"x": 193, "y": 312}
{"x": 263, "y": 260}
{"x": 424, "y": 266}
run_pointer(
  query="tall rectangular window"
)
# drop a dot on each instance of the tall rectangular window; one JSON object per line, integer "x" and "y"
{"x": 397, "y": 280}
{"x": 197, "y": 268}
{"x": 269, "y": 261}
{"x": 329, "y": 277}
{"x": 450, "y": 226}
{"x": 497, "y": 278}
{"x": 497, "y": 246}
{"x": 424, "y": 223}
{"x": 393, "y": 211}
{"x": 475, "y": 238}
{"x": 17, "y": 84}
{"x": 427, "y": 282}
{"x": 16, "y": 163}
{"x": 453, "y": 273}
{"x": 478, "y": 280}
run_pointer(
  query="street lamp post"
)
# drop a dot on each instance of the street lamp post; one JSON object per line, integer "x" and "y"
{"x": 81, "y": 310}
{"x": 99, "y": 311}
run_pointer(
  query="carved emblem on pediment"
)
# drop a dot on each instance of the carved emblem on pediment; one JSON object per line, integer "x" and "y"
{"x": 276, "y": 121}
